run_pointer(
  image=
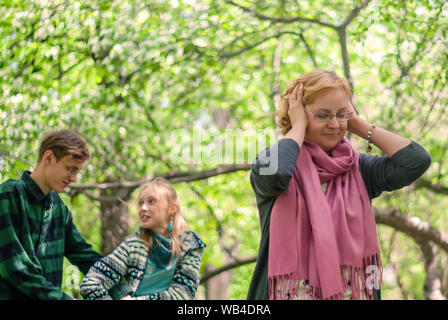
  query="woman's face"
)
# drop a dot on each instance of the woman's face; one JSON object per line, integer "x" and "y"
{"x": 327, "y": 134}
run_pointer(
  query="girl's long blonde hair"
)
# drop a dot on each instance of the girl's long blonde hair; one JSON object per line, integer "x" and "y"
{"x": 179, "y": 224}
{"x": 314, "y": 82}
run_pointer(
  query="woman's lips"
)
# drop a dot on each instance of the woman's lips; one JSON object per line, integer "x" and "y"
{"x": 331, "y": 135}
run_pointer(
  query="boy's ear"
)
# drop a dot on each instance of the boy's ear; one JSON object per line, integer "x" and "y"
{"x": 47, "y": 155}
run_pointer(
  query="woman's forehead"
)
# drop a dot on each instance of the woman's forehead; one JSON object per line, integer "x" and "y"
{"x": 330, "y": 100}
{"x": 330, "y": 109}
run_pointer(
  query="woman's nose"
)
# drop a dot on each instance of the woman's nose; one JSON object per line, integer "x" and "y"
{"x": 334, "y": 123}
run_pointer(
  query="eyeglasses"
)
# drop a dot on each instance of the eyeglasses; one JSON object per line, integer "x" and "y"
{"x": 326, "y": 117}
{"x": 73, "y": 171}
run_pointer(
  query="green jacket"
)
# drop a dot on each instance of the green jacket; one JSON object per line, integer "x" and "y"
{"x": 36, "y": 232}
{"x": 379, "y": 174}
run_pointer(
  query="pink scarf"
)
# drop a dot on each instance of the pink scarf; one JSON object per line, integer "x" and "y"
{"x": 313, "y": 235}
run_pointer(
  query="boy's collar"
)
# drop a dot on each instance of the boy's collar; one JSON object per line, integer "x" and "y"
{"x": 33, "y": 188}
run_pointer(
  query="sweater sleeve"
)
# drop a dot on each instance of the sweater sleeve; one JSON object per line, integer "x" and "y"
{"x": 395, "y": 172}
{"x": 272, "y": 169}
{"x": 105, "y": 274}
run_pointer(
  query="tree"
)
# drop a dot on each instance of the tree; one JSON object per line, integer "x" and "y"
{"x": 142, "y": 80}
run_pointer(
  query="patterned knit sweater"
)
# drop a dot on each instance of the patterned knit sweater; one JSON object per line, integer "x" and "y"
{"x": 128, "y": 262}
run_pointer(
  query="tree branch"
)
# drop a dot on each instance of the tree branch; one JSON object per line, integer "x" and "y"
{"x": 73, "y": 193}
{"x": 433, "y": 282}
{"x": 105, "y": 155}
{"x": 354, "y": 13}
{"x": 434, "y": 187}
{"x": 412, "y": 226}
{"x": 345, "y": 59}
{"x": 173, "y": 177}
{"x": 309, "y": 50}
{"x": 228, "y": 55}
{"x": 7, "y": 155}
{"x": 281, "y": 20}
{"x": 421, "y": 47}
{"x": 276, "y": 64}
{"x": 219, "y": 227}
{"x": 206, "y": 276}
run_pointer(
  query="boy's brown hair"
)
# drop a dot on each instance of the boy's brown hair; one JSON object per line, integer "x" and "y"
{"x": 62, "y": 143}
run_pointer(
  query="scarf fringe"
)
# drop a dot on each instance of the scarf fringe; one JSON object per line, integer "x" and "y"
{"x": 360, "y": 280}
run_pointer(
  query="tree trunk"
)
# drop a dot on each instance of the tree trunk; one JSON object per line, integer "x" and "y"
{"x": 114, "y": 218}
{"x": 433, "y": 282}
{"x": 216, "y": 287}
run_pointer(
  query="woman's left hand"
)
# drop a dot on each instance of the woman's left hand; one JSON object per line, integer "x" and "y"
{"x": 352, "y": 122}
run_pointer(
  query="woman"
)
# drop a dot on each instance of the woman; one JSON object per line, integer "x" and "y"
{"x": 161, "y": 261}
{"x": 319, "y": 237}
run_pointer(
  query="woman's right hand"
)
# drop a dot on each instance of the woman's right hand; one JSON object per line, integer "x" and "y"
{"x": 297, "y": 116}
{"x": 296, "y": 112}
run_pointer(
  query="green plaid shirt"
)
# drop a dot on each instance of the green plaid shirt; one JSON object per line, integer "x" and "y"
{"x": 36, "y": 232}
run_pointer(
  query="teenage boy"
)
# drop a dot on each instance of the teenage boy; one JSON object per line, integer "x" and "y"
{"x": 36, "y": 228}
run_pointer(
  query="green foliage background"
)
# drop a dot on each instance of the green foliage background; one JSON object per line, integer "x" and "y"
{"x": 129, "y": 74}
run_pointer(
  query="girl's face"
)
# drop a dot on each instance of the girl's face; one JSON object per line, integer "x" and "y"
{"x": 155, "y": 211}
{"x": 327, "y": 134}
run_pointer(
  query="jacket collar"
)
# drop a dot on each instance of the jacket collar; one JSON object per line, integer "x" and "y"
{"x": 32, "y": 187}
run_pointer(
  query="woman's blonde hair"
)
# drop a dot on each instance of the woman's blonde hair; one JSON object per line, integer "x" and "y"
{"x": 314, "y": 82}
{"x": 179, "y": 224}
